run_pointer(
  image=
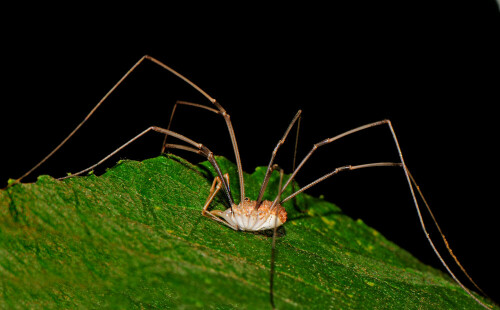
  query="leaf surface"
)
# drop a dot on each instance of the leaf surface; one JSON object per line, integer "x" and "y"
{"x": 135, "y": 238}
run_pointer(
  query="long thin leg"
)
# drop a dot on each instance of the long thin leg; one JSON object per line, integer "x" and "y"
{"x": 275, "y": 151}
{"x": 443, "y": 237}
{"x": 326, "y": 141}
{"x": 336, "y": 171}
{"x": 229, "y": 125}
{"x": 81, "y": 123}
{"x": 294, "y": 183}
{"x": 422, "y": 224}
{"x": 196, "y": 87}
{"x": 198, "y": 148}
{"x": 173, "y": 112}
{"x": 226, "y": 118}
{"x": 273, "y": 259}
{"x": 273, "y": 248}
{"x": 408, "y": 179}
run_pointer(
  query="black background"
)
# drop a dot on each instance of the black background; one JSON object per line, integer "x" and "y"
{"x": 431, "y": 67}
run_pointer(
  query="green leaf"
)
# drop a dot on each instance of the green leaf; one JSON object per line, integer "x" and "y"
{"x": 135, "y": 238}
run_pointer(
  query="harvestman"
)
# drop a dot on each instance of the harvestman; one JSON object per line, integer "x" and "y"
{"x": 259, "y": 214}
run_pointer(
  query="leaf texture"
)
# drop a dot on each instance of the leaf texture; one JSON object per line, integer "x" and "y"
{"x": 135, "y": 238}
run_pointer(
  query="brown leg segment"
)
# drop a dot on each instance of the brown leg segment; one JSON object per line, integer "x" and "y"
{"x": 411, "y": 185}
{"x": 215, "y": 214}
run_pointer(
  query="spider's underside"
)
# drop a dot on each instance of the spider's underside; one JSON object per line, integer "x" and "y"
{"x": 244, "y": 216}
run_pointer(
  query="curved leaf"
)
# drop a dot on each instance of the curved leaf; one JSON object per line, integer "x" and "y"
{"x": 135, "y": 238}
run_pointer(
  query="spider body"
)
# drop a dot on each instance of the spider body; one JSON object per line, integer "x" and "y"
{"x": 245, "y": 216}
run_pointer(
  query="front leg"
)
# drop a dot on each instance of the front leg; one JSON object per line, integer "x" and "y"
{"x": 215, "y": 214}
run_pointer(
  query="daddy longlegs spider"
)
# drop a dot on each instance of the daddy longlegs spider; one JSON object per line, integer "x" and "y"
{"x": 259, "y": 214}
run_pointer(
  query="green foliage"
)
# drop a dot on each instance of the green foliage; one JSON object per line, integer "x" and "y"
{"x": 135, "y": 238}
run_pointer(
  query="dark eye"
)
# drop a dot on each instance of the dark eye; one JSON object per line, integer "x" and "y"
{"x": 247, "y": 199}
